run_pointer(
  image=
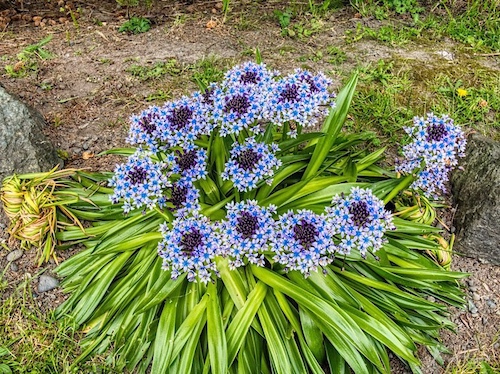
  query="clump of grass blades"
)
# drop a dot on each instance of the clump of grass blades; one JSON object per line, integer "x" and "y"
{"x": 34, "y": 341}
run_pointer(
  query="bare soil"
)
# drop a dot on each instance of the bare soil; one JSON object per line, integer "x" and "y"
{"x": 86, "y": 94}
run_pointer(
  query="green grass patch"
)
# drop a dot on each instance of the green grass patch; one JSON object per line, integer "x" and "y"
{"x": 27, "y": 59}
{"x": 477, "y": 25}
{"x": 208, "y": 70}
{"x": 388, "y": 34}
{"x": 32, "y": 341}
{"x": 156, "y": 70}
{"x": 136, "y": 25}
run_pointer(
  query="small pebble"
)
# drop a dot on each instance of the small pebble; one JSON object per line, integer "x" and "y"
{"x": 491, "y": 304}
{"x": 471, "y": 306}
{"x": 14, "y": 267}
{"x": 431, "y": 299}
{"x": 473, "y": 289}
{"x": 484, "y": 321}
{"x": 476, "y": 297}
{"x": 474, "y": 312}
{"x": 446, "y": 55}
{"x": 47, "y": 283}
{"x": 15, "y": 255}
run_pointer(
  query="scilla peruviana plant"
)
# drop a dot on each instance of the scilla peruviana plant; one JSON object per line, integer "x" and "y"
{"x": 249, "y": 244}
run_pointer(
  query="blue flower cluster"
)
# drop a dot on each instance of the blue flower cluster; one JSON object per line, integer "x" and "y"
{"x": 250, "y": 74}
{"x": 249, "y": 98}
{"x": 302, "y": 241}
{"x": 251, "y": 163}
{"x": 246, "y": 231}
{"x": 184, "y": 199}
{"x": 236, "y": 107}
{"x": 139, "y": 182}
{"x": 300, "y": 99}
{"x": 189, "y": 163}
{"x": 189, "y": 246}
{"x": 177, "y": 123}
{"x": 436, "y": 145}
{"x": 359, "y": 221}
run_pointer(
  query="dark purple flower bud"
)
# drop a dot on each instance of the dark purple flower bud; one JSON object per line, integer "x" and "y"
{"x": 191, "y": 241}
{"x": 290, "y": 93}
{"x": 248, "y": 159}
{"x": 137, "y": 175}
{"x": 247, "y": 225}
{"x": 305, "y": 233}
{"x": 359, "y": 212}
{"x": 179, "y": 195}
{"x": 237, "y": 104}
{"x": 436, "y": 132}
{"x": 187, "y": 160}
{"x": 147, "y": 123}
{"x": 249, "y": 77}
{"x": 180, "y": 117}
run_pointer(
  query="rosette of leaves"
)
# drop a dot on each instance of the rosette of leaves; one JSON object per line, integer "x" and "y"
{"x": 259, "y": 319}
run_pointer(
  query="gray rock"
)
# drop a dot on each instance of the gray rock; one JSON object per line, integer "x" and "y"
{"x": 15, "y": 255}
{"x": 23, "y": 146}
{"x": 14, "y": 267}
{"x": 491, "y": 304}
{"x": 47, "y": 283}
{"x": 471, "y": 306}
{"x": 476, "y": 193}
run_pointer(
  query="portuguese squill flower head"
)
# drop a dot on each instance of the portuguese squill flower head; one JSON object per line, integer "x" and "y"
{"x": 358, "y": 221}
{"x": 436, "y": 144}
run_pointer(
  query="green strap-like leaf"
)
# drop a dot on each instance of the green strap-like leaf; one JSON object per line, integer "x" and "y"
{"x": 187, "y": 328}
{"x": 242, "y": 321}
{"x": 187, "y": 363}
{"x": 312, "y": 359}
{"x": 217, "y": 346}
{"x": 165, "y": 334}
{"x": 331, "y": 128}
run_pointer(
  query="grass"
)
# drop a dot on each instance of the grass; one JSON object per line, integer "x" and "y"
{"x": 478, "y": 25}
{"x": 168, "y": 78}
{"x": 27, "y": 59}
{"x": 156, "y": 70}
{"x": 484, "y": 361}
{"x": 475, "y": 24}
{"x": 32, "y": 341}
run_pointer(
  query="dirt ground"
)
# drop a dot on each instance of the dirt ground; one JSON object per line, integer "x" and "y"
{"x": 86, "y": 93}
